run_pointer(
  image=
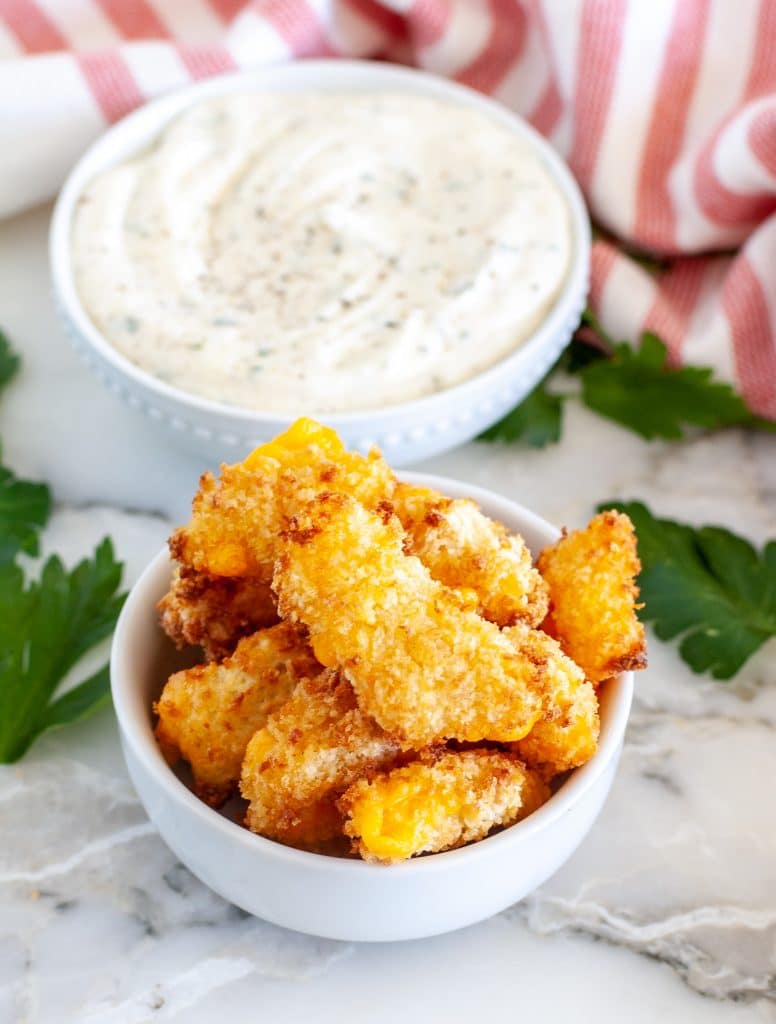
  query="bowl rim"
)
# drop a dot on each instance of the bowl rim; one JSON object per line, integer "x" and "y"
{"x": 150, "y": 119}
{"x": 578, "y": 783}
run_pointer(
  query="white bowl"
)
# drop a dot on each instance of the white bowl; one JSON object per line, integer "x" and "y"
{"x": 339, "y": 898}
{"x": 406, "y": 432}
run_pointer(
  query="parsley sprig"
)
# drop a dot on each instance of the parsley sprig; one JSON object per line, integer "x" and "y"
{"x": 637, "y": 388}
{"x": 537, "y": 421}
{"x": 46, "y": 625}
{"x": 24, "y": 506}
{"x": 9, "y": 361}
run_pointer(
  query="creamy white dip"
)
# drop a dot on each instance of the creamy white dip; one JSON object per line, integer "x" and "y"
{"x": 320, "y": 253}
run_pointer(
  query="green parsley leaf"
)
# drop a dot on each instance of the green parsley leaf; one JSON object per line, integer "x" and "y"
{"x": 580, "y": 353}
{"x": 637, "y": 389}
{"x": 24, "y": 506}
{"x": 80, "y": 702}
{"x": 589, "y": 322}
{"x": 707, "y": 586}
{"x": 536, "y": 421}
{"x": 24, "y": 510}
{"x": 9, "y": 361}
{"x": 45, "y": 628}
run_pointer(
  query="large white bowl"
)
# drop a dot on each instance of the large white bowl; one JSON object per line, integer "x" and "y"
{"x": 406, "y": 432}
{"x": 339, "y": 898}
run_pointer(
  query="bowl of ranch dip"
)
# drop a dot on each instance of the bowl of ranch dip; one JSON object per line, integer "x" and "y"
{"x": 382, "y": 249}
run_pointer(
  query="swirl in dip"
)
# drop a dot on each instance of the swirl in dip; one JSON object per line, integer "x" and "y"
{"x": 325, "y": 253}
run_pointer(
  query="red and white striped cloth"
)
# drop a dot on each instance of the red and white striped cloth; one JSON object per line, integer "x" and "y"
{"x": 665, "y": 110}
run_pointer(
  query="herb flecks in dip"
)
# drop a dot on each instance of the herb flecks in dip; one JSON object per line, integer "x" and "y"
{"x": 330, "y": 253}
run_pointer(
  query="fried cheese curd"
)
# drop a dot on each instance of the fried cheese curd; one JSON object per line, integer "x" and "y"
{"x": 306, "y": 755}
{"x": 426, "y": 668}
{"x": 591, "y": 575}
{"x": 214, "y": 612}
{"x": 566, "y": 734}
{"x": 207, "y": 714}
{"x": 237, "y": 520}
{"x": 464, "y": 549}
{"x": 443, "y": 800}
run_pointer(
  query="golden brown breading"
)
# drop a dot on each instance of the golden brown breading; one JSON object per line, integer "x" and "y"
{"x": 214, "y": 612}
{"x": 566, "y": 735}
{"x": 441, "y": 801}
{"x": 591, "y": 575}
{"x": 208, "y": 713}
{"x": 425, "y": 668}
{"x": 236, "y": 520}
{"x": 462, "y": 548}
{"x": 310, "y": 750}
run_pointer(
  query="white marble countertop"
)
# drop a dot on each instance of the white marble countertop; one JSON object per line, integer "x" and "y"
{"x": 667, "y": 911}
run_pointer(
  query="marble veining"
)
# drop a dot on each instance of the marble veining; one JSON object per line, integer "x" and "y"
{"x": 158, "y": 938}
{"x": 682, "y": 865}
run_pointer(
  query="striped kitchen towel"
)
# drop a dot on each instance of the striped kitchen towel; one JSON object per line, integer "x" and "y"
{"x": 664, "y": 109}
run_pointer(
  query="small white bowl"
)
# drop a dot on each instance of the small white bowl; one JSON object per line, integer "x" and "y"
{"x": 340, "y": 898}
{"x": 406, "y": 432}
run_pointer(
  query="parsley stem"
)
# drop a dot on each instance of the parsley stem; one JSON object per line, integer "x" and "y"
{"x": 591, "y": 332}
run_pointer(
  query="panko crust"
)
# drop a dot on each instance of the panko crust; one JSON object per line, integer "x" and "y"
{"x": 591, "y": 574}
{"x": 424, "y": 667}
{"x": 207, "y": 714}
{"x": 307, "y": 754}
{"x": 442, "y": 800}
{"x": 237, "y": 519}
{"x": 464, "y": 549}
{"x": 214, "y": 613}
{"x": 566, "y": 735}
